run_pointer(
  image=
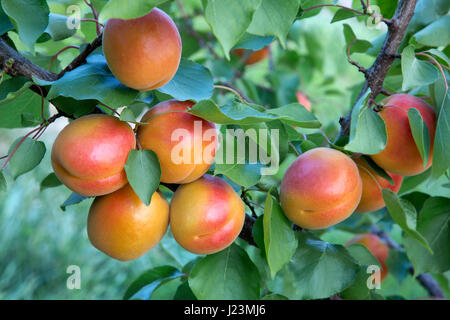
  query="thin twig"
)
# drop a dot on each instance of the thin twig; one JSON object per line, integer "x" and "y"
{"x": 59, "y": 52}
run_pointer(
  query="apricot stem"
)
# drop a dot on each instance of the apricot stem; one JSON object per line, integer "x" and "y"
{"x": 217, "y": 86}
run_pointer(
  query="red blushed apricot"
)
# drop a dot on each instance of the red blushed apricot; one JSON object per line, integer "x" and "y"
{"x": 206, "y": 215}
{"x": 377, "y": 247}
{"x": 372, "y": 184}
{"x": 322, "y": 187}
{"x": 185, "y": 144}
{"x": 123, "y": 227}
{"x": 90, "y": 153}
{"x": 303, "y": 100}
{"x": 401, "y": 155}
{"x": 143, "y": 53}
{"x": 254, "y": 56}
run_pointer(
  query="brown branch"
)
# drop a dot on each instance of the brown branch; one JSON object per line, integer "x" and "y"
{"x": 426, "y": 280}
{"x": 81, "y": 58}
{"x": 377, "y": 72}
{"x": 20, "y": 66}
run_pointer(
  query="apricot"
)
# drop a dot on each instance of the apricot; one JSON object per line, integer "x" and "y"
{"x": 143, "y": 53}
{"x": 377, "y": 247}
{"x": 123, "y": 227}
{"x": 206, "y": 215}
{"x": 303, "y": 100}
{"x": 185, "y": 144}
{"x": 252, "y": 57}
{"x": 372, "y": 184}
{"x": 320, "y": 188}
{"x": 90, "y": 153}
{"x": 401, "y": 155}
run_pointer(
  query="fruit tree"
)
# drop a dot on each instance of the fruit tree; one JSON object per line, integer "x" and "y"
{"x": 284, "y": 149}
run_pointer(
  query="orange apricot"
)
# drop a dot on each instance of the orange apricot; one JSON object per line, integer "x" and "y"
{"x": 123, "y": 227}
{"x": 143, "y": 53}
{"x": 90, "y": 153}
{"x": 372, "y": 184}
{"x": 206, "y": 215}
{"x": 377, "y": 247}
{"x": 401, "y": 155}
{"x": 321, "y": 188}
{"x": 252, "y": 57}
{"x": 185, "y": 144}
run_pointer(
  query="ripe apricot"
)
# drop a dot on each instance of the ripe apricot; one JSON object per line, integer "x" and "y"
{"x": 372, "y": 184}
{"x": 206, "y": 215}
{"x": 90, "y": 153}
{"x": 123, "y": 227}
{"x": 252, "y": 57}
{"x": 303, "y": 100}
{"x": 320, "y": 188}
{"x": 185, "y": 144}
{"x": 143, "y": 53}
{"x": 377, "y": 247}
{"x": 401, "y": 155}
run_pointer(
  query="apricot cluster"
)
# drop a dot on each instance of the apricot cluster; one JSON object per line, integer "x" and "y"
{"x": 323, "y": 186}
{"x": 89, "y": 155}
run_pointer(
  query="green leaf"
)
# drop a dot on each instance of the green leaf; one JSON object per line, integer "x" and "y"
{"x": 436, "y": 34}
{"x": 416, "y": 72}
{"x": 274, "y": 18}
{"x": 127, "y": 9}
{"x": 234, "y": 113}
{"x": 377, "y": 169}
{"x": 77, "y": 108}
{"x": 50, "y": 181}
{"x": 297, "y": 115}
{"x": 317, "y": 270}
{"x": 367, "y": 129}
{"x": 357, "y": 45}
{"x": 191, "y": 82}
{"x": 74, "y": 198}
{"x": 57, "y": 27}
{"x": 92, "y": 80}
{"x": 3, "y": 184}
{"x": 258, "y": 232}
{"x": 245, "y": 174}
{"x": 410, "y": 183}
{"x": 420, "y": 134}
{"x": 343, "y": 14}
{"x": 127, "y": 115}
{"x": 405, "y": 215}
{"x": 226, "y": 275}
{"x": 280, "y": 242}
{"x": 30, "y": 18}
{"x": 229, "y": 20}
{"x": 27, "y": 156}
{"x": 253, "y": 42}
{"x": 441, "y": 151}
{"x": 143, "y": 173}
{"x": 146, "y": 283}
{"x": 273, "y": 296}
{"x": 15, "y": 100}
{"x": 5, "y": 23}
{"x": 184, "y": 292}
{"x": 433, "y": 224}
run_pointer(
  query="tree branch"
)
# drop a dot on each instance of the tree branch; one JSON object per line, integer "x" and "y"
{"x": 377, "y": 72}
{"x": 16, "y": 65}
{"x": 81, "y": 58}
{"x": 426, "y": 280}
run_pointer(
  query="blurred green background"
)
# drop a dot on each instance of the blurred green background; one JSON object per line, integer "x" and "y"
{"x": 39, "y": 240}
